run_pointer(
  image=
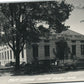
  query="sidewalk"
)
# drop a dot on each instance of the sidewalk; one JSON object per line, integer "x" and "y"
{"x": 45, "y": 78}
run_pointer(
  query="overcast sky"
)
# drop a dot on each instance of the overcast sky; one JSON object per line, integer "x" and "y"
{"x": 76, "y": 16}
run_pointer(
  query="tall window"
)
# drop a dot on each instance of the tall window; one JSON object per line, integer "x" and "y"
{"x": 47, "y": 50}
{"x": 0, "y": 56}
{"x": 82, "y": 49}
{"x": 5, "y": 54}
{"x": 74, "y": 49}
{"x": 10, "y": 54}
{"x": 23, "y": 53}
{"x": 35, "y": 50}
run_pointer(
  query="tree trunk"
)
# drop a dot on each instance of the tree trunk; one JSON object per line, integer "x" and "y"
{"x": 17, "y": 62}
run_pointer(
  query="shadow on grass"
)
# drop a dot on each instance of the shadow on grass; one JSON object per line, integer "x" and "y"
{"x": 43, "y": 73}
{"x": 12, "y": 72}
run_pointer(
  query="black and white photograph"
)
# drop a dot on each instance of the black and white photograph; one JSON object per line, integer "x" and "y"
{"x": 41, "y": 41}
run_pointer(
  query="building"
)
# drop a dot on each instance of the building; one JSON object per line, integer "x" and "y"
{"x": 7, "y": 56}
{"x": 43, "y": 50}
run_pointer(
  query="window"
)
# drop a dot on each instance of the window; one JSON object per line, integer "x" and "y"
{"x": 73, "y": 49}
{"x": 0, "y": 56}
{"x": 47, "y": 50}
{"x": 10, "y": 54}
{"x": 73, "y": 41}
{"x": 23, "y": 53}
{"x": 46, "y": 40}
{"x": 5, "y": 54}
{"x": 35, "y": 50}
{"x": 82, "y": 41}
{"x": 82, "y": 49}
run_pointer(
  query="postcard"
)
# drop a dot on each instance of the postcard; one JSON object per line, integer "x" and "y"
{"x": 42, "y": 41}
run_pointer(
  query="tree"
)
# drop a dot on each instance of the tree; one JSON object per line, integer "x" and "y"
{"x": 20, "y": 22}
{"x": 18, "y": 27}
{"x": 54, "y": 13}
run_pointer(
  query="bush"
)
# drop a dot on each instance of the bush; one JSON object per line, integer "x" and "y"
{"x": 10, "y": 64}
{"x": 36, "y": 68}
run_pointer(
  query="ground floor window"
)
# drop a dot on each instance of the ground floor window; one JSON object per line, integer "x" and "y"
{"x": 5, "y": 54}
{"x": 35, "y": 50}
{"x": 0, "y": 56}
{"x": 10, "y": 54}
{"x": 73, "y": 49}
{"x": 82, "y": 49}
{"x": 47, "y": 50}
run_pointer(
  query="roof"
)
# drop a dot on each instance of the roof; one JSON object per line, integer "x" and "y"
{"x": 70, "y": 32}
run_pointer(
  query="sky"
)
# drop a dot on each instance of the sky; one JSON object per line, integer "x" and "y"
{"x": 76, "y": 16}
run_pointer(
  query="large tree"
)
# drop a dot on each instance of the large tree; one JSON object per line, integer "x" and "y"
{"x": 18, "y": 26}
{"x": 20, "y": 22}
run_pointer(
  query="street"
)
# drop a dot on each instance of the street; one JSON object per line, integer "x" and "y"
{"x": 26, "y": 79}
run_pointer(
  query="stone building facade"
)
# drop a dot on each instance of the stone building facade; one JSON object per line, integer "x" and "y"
{"x": 43, "y": 50}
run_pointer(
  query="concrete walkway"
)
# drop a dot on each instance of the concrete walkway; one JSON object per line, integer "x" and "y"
{"x": 45, "y": 78}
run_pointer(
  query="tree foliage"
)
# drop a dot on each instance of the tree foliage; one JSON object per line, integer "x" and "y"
{"x": 19, "y": 22}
